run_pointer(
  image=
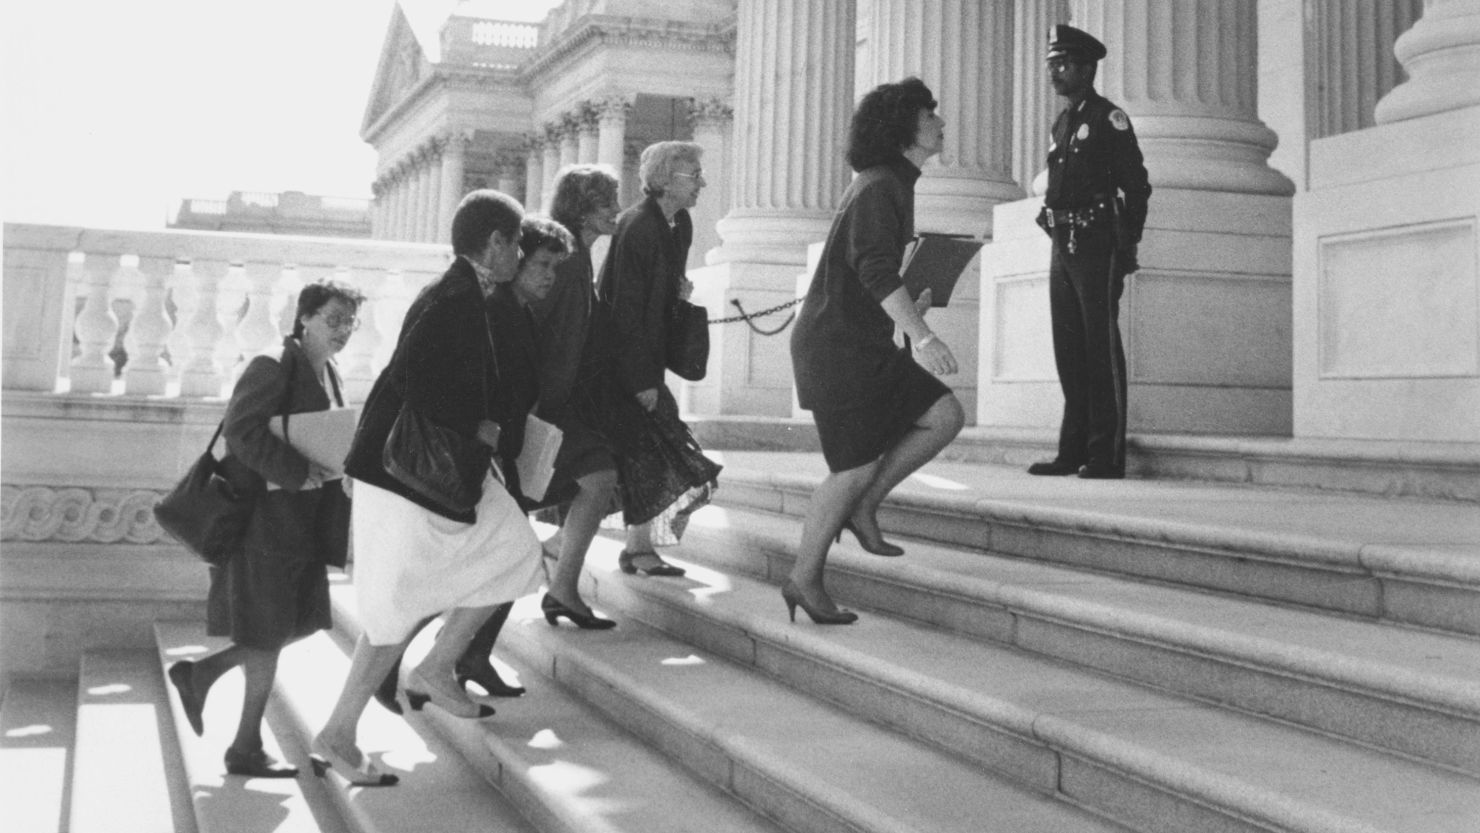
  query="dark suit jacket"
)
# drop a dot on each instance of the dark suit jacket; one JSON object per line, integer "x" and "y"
{"x": 444, "y": 367}
{"x": 638, "y": 282}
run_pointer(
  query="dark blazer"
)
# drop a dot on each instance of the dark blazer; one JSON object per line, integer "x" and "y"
{"x": 518, "y": 371}
{"x": 638, "y": 282}
{"x": 283, "y": 522}
{"x": 443, "y": 365}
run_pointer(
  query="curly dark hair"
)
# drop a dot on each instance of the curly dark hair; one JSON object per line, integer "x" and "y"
{"x": 579, "y": 191}
{"x": 886, "y": 121}
{"x": 316, "y": 295}
{"x": 541, "y": 232}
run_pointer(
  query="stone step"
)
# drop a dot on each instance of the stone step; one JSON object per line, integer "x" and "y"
{"x": 126, "y": 770}
{"x": 38, "y": 721}
{"x": 228, "y": 803}
{"x": 1410, "y": 561}
{"x": 439, "y": 791}
{"x": 566, "y": 766}
{"x": 1402, "y": 689}
{"x": 1158, "y": 762}
{"x": 1445, "y": 471}
{"x": 812, "y": 766}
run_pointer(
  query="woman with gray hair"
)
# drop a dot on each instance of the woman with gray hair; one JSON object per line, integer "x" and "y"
{"x": 668, "y": 477}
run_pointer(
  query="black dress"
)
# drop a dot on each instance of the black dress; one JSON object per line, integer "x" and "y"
{"x": 865, "y": 392}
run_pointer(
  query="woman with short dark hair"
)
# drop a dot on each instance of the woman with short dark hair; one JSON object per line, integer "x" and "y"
{"x": 880, "y": 415}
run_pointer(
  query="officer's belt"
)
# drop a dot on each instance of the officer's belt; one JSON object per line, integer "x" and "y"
{"x": 1092, "y": 214}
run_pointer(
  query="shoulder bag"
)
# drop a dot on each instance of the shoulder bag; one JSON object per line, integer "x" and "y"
{"x": 204, "y": 511}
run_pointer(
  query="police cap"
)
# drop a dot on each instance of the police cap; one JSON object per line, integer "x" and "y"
{"x": 1075, "y": 44}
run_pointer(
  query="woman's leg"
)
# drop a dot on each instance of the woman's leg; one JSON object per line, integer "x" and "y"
{"x": 259, "y": 667}
{"x": 933, "y": 432}
{"x": 438, "y": 669}
{"x": 367, "y": 668}
{"x": 581, "y": 522}
{"x": 828, "y": 508}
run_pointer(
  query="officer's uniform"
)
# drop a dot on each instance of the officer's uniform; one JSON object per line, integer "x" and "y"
{"x": 1093, "y": 161}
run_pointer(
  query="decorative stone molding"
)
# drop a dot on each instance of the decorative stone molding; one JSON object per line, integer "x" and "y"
{"x": 71, "y": 515}
{"x": 597, "y": 31}
{"x": 1440, "y": 53}
{"x": 613, "y": 109}
{"x": 710, "y": 111}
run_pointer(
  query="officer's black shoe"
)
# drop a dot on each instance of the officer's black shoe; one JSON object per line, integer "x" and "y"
{"x": 1099, "y": 470}
{"x": 1053, "y": 468}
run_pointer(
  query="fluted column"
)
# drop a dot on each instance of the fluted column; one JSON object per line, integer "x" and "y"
{"x": 534, "y": 174}
{"x": 793, "y": 100}
{"x": 404, "y": 180}
{"x": 612, "y": 114}
{"x": 416, "y": 209}
{"x": 1442, "y": 56}
{"x": 712, "y": 121}
{"x": 1033, "y": 101}
{"x": 589, "y": 142}
{"x": 570, "y": 138}
{"x": 506, "y": 175}
{"x": 436, "y": 152}
{"x": 551, "y": 155}
{"x": 454, "y": 165}
{"x": 963, "y": 50}
{"x": 96, "y": 327}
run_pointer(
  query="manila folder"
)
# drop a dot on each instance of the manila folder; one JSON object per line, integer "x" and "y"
{"x": 321, "y": 436}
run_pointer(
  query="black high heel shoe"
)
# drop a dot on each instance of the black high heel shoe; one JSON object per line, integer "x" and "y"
{"x": 418, "y": 697}
{"x": 257, "y": 764}
{"x": 486, "y": 677}
{"x": 662, "y": 568}
{"x": 182, "y": 676}
{"x": 553, "y": 609}
{"x": 793, "y": 597}
{"x": 366, "y": 774}
{"x": 880, "y": 547}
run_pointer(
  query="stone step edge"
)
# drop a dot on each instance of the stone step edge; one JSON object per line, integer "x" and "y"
{"x": 824, "y": 805}
{"x": 497, "y": 761}
{"x": 1216, "y": 793}
{"x": 1375, "y": 560}
{"x": 40, "y": 796}
{"x": 1369, "y": 677}
{"x": 1060, "y": 734}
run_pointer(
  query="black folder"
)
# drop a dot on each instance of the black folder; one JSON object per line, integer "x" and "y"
{"x": 936, "y": 262}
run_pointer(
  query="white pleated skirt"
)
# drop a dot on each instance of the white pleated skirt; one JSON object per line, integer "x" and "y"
{"x": 411, "y": 563}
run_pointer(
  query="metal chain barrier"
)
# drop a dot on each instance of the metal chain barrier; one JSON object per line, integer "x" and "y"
{"x": 747, "y": 316}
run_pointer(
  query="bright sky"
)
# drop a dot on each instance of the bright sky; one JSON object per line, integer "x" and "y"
{"x": 111, "y": 112}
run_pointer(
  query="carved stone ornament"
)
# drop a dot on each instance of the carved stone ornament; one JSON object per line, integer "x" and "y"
{"x": 715, "y": 111}
{"x": 105, "y": 516}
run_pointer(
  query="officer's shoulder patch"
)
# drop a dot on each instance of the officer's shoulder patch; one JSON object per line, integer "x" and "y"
{"x": 1119, "y": 120}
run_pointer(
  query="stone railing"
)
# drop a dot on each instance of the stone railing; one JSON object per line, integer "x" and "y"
{"x": 171, "y": 313}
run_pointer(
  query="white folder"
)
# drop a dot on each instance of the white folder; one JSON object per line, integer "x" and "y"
{"x": 537, "y": 457}
{"x": 322, "y": 436}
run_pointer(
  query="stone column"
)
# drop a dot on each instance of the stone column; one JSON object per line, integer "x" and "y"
{"x": 432, "y": 197}
{"x": 551, "y": 160}
{"x": 570, "y": 137}
{"x": 612, "y": 116}
{"x": 534, "y": 174}
{"x": 1206, "y": 320}
{"x": 588, "y": 143}
{"x": 793, "y": 100}
{"x": 404, "y": 177}
{"x": 712, "y": 121}
{"x": 506, "y": 175}
{"x": 450, "y": 191}
{"x": 1387, "y": 334}
{"x": 962, "y": 50}
{"x": 1034, "y": 104}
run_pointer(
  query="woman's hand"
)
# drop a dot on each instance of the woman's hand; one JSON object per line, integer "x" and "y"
{"x": 685, "y": 289}
{"x": 922, "y": 303}
{"x": 935, "y": 356}
{"x": 317, "y": 476}
{"x": 648, "y": 399}
{"x": 488, "y": 433}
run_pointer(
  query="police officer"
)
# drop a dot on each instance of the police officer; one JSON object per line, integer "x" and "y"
{"x": 1094, "y": 210}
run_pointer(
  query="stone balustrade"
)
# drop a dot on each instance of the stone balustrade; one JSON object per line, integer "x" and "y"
{"x": 171, "y": 313}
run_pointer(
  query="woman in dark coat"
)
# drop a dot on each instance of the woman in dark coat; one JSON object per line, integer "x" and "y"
{"x": 275, "y": 590}
{"x": 879, "y": 414}
{"x": 644, "y": 271}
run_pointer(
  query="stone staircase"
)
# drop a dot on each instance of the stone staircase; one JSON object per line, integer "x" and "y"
{"x": 1050, "y": 655}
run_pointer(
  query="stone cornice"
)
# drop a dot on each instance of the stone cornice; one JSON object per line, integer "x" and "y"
{"x": 442, "y": 77}
{"x": 634, "y": 32}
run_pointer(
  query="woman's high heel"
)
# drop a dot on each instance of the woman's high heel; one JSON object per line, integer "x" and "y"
{"x": 487, "y": 677}
{"x": 419, "y": 692}
{"x": 793, "y": 597}
{"x": 662, "y": 568}
{"x": 880, "y": 547}
{"x": 553, "y": 609}
{"x": 366, "y": 774}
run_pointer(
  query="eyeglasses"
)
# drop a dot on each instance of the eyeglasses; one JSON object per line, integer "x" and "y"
{"x": 699, "y": 174}
{"x": 340, "y": 322}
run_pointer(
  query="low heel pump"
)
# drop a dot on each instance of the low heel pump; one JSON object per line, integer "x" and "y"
{"x": 662, "y": 568}
{"x": 793, "y": 597}
{"x": 880, "y": 547}
{"x": 366, "y": 774}
{"x": 553, "y": 609}
{"x": 418, "y": 697}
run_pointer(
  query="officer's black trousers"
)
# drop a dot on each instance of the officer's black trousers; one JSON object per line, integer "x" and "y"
{"x": 1084, "y": 298}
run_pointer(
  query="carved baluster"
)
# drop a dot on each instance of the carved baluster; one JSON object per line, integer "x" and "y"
{"x": 258, "y": 330}
{"x": 231, "y": 299}
{"x": 150, "y": 330}
{"x": 201, "y": 376}
{"x": 388, "y": 311}
{"x": 96, "y": 328}
{"x": 184, "y": 298}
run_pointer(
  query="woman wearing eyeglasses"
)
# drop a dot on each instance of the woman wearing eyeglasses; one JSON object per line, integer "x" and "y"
{"x": 276, "y": 589}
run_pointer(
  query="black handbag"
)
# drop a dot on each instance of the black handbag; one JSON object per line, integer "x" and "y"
{"x": 204, "y": 511}
{"x": 687, "y": 350}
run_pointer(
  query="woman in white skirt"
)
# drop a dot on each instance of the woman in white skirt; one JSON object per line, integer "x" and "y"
{"x": 413, "y": 557}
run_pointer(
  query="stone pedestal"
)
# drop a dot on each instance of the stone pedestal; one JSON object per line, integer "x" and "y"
{"x": 1206, "y": 322}
{"x": 1387, "y": 287}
